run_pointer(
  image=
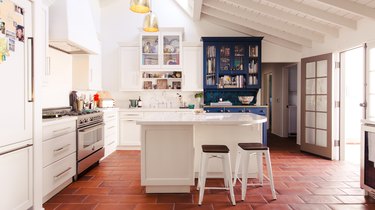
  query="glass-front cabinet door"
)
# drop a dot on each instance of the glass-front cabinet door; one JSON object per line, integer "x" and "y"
{"x": 171, "y": 50}
{"x": 253, "y": 66}
{"x": 150, "y": 51}
{"x": 210, "y": 76}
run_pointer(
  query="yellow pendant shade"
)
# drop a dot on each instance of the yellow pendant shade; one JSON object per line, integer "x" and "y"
{"x": 140, "y": 6}
{"x": 150, "y": 23}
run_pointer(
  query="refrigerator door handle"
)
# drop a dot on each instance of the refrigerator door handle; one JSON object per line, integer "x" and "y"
{"x": 30, "y": 69}
{"x": 18, "y": 148}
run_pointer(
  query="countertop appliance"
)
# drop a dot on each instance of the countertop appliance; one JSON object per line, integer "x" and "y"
{"x": 368, "y": 157}
{"x": 56, "y": 112}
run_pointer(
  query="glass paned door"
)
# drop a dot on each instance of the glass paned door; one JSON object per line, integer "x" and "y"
{"x": 316, "y": 105}
{"x": 253, "y": 65}
{"x": 225, "y": 59}
{"x": 150, "y": 51}
{"x": 171, "y": 50}
{"x": 239, "y": 56}
{"x": 370, "y": 77}
{"x": 210, "y": 73}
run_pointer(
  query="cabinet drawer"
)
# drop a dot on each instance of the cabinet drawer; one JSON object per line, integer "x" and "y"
{"x": 55, "y": 130}
{"x": 110, "y": 116}
{"x": 58, "y": 172}
{"x": 131, "y": 115}
{"x": 110, "y": 139}
{"x": 59, "y": 147}
{"x": 110, "y": 128}
{"x": 259, "y": 111}
{"x": 111, "y": 147}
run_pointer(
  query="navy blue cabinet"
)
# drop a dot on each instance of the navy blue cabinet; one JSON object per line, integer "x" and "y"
{"x": 255, "y": 110}
{"x": 231, "y": 68}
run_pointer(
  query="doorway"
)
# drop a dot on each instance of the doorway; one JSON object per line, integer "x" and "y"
{"x": 267, "y": 99}
{"x": 352, "y": 93}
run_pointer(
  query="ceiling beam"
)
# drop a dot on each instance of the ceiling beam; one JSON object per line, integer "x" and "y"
{"x": 270, "y": 11}
{"x": 252, "y": 32}
{"x": 317, "y": 13}
{"x": 197, "y": 9}
{"x": 264, "y": 20}
{"x": 259, "y": 27}
{"x": 352, "y": 7}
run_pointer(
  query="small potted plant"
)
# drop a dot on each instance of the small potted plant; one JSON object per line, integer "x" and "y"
{"x": 199, "y": 97}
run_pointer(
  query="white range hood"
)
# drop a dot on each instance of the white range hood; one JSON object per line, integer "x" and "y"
{"x": 71, "y": 27}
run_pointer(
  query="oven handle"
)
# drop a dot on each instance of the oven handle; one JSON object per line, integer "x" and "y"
{"x": 92, "y": 128}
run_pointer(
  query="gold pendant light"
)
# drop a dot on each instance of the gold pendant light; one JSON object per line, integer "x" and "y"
{"x": 150, "y": 24}
{"x": 140, "y": 6}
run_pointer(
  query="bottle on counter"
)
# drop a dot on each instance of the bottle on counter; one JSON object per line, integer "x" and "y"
{"x": 139, "y": 102}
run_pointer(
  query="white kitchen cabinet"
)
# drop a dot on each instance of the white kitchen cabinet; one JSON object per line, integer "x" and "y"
{"x": 16, "y": 175}
{"x": 130, "y": 132}
{"x": 87, "y": 72}
{"x": 161, "y": 50}
{"x": 129, "y": 69}
{"x": 192, "y": 68}
{"x": 59, "y": 154}
{"x": 111, "y": 130}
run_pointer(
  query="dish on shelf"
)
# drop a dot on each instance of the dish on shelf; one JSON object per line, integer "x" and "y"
{"x": 169, "y": 49}
{"x": 245, "y": 99}
{"x": 174, "y": 42}
{"x": 172, "y": 62}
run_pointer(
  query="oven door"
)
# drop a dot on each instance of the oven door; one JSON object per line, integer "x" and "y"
{"x": 90, "y": 139}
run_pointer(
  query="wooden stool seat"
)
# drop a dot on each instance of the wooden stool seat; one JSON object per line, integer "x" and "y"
{"x": 252, "y": 146}
{"x": 215, "y": 149}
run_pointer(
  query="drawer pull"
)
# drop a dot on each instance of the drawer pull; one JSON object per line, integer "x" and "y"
{"x": 111, "y": 143}
{"x": 61, "y": 148}
{"x": 111, "y": 127}
{"x": 112, "y": 116}
{"x": 58, "y": 176}
{"x": 62, "y": 129}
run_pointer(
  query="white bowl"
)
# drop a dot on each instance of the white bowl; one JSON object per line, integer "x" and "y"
{"x": 245, "y": 99}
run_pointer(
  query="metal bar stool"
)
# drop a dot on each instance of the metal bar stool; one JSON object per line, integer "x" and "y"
{"x": 245, "y": 151}
{"x": 215, "y": 151}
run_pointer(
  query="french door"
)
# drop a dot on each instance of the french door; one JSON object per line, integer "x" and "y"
{"x": 370, "y": 81}
{"x": 316, "y": 105}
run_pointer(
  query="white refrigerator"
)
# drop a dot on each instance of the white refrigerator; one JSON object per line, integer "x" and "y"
{"x": 16, "y": 104}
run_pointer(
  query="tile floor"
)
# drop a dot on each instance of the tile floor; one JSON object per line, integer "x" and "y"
{"x": 302, "y": 182}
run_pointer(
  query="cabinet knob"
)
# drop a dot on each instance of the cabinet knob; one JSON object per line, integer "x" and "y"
{"x": 242, "y": 111}
{"x": 228, "y": 110}
{"x": 207, "y": 110}
{"x": 221, "y": 110}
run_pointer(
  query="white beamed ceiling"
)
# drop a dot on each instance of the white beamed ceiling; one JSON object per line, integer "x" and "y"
{"x": 295, "y": 23}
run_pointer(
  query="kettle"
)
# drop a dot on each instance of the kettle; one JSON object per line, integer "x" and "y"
{"x": 133, "y": 103}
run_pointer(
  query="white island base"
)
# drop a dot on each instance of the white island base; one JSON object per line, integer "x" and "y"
{"x": 171, "y": 146}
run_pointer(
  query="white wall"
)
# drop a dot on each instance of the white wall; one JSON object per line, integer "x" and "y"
{"x": 55, "y": 92}
{"x": 119, "y": 24}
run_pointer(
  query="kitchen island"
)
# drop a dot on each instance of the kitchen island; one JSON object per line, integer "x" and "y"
{"x": 171, "y": 145}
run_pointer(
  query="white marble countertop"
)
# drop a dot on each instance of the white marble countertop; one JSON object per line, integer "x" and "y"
{"x": 155, "y": 110}
{"x": 53, "y": 121}
{"x": 190, "y": 118}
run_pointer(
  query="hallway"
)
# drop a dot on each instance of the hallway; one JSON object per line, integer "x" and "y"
{"x": 302, "y": 182}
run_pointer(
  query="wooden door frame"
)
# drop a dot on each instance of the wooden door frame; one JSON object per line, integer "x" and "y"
{"x": 328, "y": 151}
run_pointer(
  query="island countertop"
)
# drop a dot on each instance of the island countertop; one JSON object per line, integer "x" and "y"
{"x": 190, "y": 118}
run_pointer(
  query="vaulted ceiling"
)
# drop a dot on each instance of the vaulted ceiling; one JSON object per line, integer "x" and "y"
{"x": 289, "y": 23}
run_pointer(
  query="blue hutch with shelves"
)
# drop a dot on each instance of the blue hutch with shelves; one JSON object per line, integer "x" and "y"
{"x": 232, "y": 68}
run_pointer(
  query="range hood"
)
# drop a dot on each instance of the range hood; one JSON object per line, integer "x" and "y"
{"x": 71, "y": 27}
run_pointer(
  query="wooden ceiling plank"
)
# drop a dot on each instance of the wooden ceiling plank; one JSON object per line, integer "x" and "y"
{"x": 264, "y": 20}
{"x": 351, "y": 7}
{"x": 317, "y": 13}
{"x": 251, "y": 32}
{"x": 197, "y": 9}
{"x": 288, "y": 36}
{"x": 303, "y": 22}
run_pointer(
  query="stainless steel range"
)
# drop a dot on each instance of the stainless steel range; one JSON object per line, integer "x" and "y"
{"x": 90, "y": 139}
{"x": 90, "y": 135}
